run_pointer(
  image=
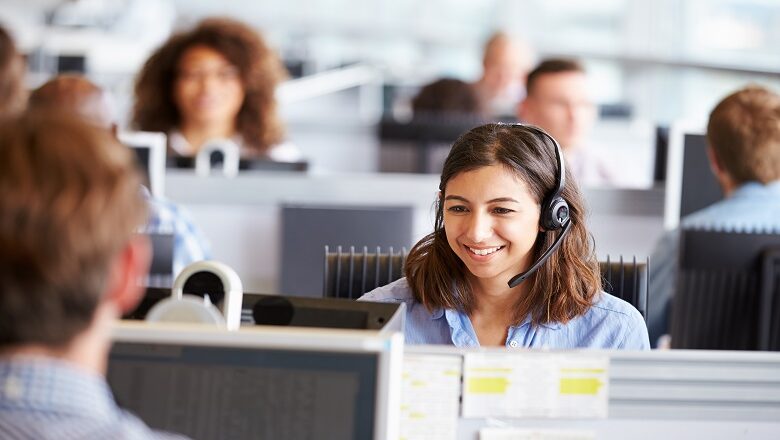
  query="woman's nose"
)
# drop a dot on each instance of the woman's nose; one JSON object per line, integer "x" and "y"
{"x": 480, "y": 228}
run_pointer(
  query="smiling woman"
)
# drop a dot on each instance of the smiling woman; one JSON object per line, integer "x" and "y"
{"x": 498, "y": 184}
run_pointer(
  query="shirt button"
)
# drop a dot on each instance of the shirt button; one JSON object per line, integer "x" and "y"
{"x": 513, "y": 344}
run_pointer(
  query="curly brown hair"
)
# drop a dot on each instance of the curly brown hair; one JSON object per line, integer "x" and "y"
{"x": 260, "y": 71}
{"x": 12, "y": 90}
{"x": 566, "y": 284}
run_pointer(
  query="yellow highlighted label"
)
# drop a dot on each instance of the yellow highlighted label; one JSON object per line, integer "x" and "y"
{"x": 589, "y": 386}
{"x": 583, "y": 370}
{"x": 488, "y": 385}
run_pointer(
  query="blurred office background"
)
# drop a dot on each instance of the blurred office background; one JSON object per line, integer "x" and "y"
{"x": 650, "y": 63}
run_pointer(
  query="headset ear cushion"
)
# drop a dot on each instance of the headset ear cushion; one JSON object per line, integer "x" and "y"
{"x": 555, "y": 214}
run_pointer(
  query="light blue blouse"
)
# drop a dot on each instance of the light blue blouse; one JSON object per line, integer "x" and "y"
{"x": 609, "y": 323}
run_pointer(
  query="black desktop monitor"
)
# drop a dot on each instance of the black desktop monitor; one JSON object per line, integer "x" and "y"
{"x": 244, "y": 163}
{"x": 690, "y": 184}
{"x": 149, "y": 149}
{"x": 258, "y": 383}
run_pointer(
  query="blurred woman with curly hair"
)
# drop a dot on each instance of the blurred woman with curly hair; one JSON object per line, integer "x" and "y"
{"x": 214, "y": 82}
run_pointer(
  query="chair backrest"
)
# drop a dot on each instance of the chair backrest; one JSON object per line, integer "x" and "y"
{"x": 351, "y": 273}
{"x": 727, "y": 290}
{"x": 628, "y": 281}
{"x": 307, "y": 229}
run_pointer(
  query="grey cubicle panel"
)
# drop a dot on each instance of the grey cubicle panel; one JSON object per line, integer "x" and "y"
{"x": 307, "y": 229}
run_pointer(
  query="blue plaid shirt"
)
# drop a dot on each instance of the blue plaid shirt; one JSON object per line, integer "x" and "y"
{"x": 189, "y": 243}
{"x": 43, "y": 398}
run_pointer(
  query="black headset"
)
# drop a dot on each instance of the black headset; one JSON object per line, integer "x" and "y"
{"x": 554, "y": 210}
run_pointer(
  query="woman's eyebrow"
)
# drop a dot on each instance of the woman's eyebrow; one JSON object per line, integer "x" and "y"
{"x": 496, "y": 200}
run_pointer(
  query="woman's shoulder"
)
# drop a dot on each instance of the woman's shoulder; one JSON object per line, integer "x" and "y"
{"x": 619, "y": 317}
{"x": 397, "y": 291}
{"x": 611, "y": 305}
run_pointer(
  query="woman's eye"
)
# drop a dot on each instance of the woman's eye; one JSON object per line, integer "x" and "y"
{"x": 457, "y": 209}
{"x": 502, "y": 210}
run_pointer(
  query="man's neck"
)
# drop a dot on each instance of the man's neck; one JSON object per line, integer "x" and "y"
{"x": 87, "y": 351}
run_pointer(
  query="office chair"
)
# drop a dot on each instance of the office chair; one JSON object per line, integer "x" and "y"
{"x": 727, "y": 291}
{"x": 350, "y": 274}
{"x": 628, "y": 281}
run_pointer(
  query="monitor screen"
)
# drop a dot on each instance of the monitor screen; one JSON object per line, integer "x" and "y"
{"x": 257, "y": 384}
{"x": 690, "y": 184}
{"x": 149, "y": 149}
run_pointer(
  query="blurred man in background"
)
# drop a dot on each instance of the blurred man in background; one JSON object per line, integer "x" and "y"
{"x": 558, "y": 100}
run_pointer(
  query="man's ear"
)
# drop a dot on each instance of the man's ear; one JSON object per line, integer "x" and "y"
{"x": 130, "y": 265}
{"x": 719, "y": 171}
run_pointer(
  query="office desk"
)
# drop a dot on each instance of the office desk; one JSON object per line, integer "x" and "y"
{"x": 240, "y": 216}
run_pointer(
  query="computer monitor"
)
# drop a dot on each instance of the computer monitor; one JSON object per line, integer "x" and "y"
{"x": 260, "y": 382}
{"x": 690, "y": 184}
{"x": 150, "y": 149}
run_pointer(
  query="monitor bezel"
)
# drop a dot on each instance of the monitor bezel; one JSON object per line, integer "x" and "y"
{"x": 674, "y": 169}
{"x": 157, "y": 145}
{"x": 387, "y": 346}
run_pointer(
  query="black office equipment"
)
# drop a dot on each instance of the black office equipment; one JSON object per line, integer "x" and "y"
{"x": 261, "y": 309}
{"x": 425, "y": 134}
{"x": 690, "y": 184}
{"x": 307, "y": 229}
{"x": 149, "y": 150}
{"x": 244, "y": 164}
{"x": 628, "y": 281}
{"x": 349, "y": 273}
{"x": 321, "y": 312}
{"x": 661, "y": 153}
{"x": 727, "y": 291}
{"x": 161, "y": 269}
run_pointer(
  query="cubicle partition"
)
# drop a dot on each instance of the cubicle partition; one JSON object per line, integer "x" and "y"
{"x": 677, "y": 394}
{"x": 241, "y": 216}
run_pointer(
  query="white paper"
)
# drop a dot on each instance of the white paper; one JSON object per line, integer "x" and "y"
{"x": 529, "y": 434}
{"x": 527, "y": 385}
{"x": 430, "y": 397}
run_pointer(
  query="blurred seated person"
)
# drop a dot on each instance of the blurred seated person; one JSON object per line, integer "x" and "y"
{"x": 215, "y": 82}
{"x": 77, "y": 95}
{"x": 558, "y": 100}
{"x": 505, "y": 64}
{"x": 448, "y": 98}
{"x": 13, "y": 94}
{"x": 743, "y": 145}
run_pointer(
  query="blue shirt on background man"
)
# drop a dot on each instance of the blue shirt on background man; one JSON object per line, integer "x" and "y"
{"x": 752, "y": 207}
{"x": 609, "y": 323}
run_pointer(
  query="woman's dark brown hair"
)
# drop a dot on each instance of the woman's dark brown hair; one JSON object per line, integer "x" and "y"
{"x": 260, "y": 71}
{"x": 565, "y": 286}
{"x": 12, "y": 91}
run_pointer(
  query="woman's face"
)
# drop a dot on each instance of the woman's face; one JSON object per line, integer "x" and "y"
{"x": 208, "y": 89}
{"x": 491, "y": 221}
